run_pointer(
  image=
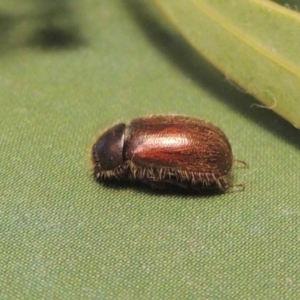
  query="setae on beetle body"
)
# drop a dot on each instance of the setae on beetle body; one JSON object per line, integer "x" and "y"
{"x": 164, "y": 151}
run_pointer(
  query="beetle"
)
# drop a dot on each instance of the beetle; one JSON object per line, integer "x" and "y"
{"x": 165, "y": 151}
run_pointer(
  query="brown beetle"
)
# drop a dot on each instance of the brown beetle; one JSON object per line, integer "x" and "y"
{"x": 165, "y": 151}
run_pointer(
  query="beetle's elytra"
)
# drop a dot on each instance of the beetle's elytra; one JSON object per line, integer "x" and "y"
{"x": 165, "y": 151}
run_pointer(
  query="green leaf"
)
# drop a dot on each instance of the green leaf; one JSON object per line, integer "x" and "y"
{"x": 254, "y": 43}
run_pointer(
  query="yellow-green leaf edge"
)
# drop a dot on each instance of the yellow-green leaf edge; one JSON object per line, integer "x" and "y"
{"x": 255, "y": 43}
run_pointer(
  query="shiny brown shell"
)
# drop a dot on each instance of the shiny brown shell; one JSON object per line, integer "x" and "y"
{"x": 165, "y": 151}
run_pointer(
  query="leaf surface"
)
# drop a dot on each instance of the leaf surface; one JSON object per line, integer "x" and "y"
{"x": 254, "y": 43}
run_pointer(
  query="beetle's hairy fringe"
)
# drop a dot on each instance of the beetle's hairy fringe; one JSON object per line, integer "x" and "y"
{"x": 182, "y": 178}
{"x": 157, "y": 177}
{"x": 117, "y": 173}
